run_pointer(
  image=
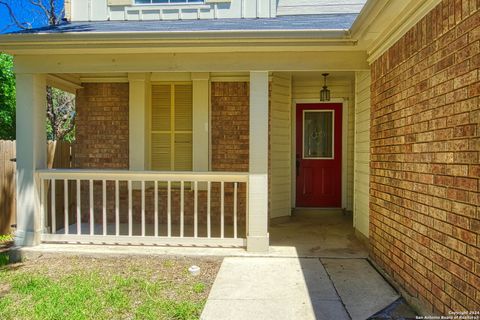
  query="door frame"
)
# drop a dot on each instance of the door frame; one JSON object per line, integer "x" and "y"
{"x": 344, "y": 144}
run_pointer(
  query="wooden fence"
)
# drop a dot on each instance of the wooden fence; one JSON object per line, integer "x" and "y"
{"x": 59, "y": 156}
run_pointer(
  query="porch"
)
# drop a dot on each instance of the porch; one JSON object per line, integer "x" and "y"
{"x": 231, "y": 173}
{"x": 312, "y": 232}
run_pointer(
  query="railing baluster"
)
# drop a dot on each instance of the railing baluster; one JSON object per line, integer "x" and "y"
{"x": 92, "y": 225}
{"x": 169, "y": 208}
{"x": 117, "y": 208}
{"x": 53, "y": 206}
{"x": 195, "y": 210}
{"x": 143, "y": 208}
{"x": 155, "y": 199}
{"x": 209, "y": 227}
{"x": 235, "y": 210}
{"x": 104, "y": 201}
{"x": 130, "y": 208}
{"x": 65, "y": 205}
{"x": 79, "y": 210}
{"x": 181, "y": 208}
{"x": 199, "y": 189}
{"x": 222, "y": 209}
{"x": 43, "y": 216}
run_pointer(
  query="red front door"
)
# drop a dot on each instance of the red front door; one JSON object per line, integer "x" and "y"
{"x": 319, "y": 155}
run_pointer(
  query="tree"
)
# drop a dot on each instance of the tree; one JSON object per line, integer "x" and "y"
{"x": 60, "y": 115}
{"x": 25, "y": 13}
{"x": 7, "y": 98}
{"x": 60, "y": 104}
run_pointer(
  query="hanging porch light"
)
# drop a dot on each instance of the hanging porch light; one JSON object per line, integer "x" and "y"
{"x": 325, "y": 93}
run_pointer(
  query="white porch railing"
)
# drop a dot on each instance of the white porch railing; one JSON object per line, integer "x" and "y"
{"x": 143, "y": 208}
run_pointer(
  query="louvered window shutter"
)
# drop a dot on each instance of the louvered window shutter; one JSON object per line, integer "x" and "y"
{"x": 172, "y": 127}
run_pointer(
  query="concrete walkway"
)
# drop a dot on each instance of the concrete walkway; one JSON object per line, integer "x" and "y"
{"x": 296, "y": 288}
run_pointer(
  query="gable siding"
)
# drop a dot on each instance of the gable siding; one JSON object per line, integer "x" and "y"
{"x": 296, "y": 7}
{"x": 118, "y": 10}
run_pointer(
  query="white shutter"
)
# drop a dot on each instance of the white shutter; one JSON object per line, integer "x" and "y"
{"x": 172, "y": 117}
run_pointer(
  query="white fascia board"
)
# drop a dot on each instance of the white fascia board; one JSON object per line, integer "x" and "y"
{"x": 382, "y": 23}
{"x": 367, "y": 15}
{"x": 138, "y": 41}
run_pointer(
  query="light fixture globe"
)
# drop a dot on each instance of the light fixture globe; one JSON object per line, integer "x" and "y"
{"x": 325, "y": 93}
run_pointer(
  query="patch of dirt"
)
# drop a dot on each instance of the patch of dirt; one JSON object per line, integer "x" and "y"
{"x": 172, "y": 270}
{"x": 4, "y": 289}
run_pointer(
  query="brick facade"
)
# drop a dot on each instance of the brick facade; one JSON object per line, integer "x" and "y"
{"x": 101, "y": 126}
{"x": 230, "y": 126}
{"x": 102, "y": 143}
{"x": 425, "y": 172}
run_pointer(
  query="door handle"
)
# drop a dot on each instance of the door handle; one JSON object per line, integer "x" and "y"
{"x": 298, "y": 165}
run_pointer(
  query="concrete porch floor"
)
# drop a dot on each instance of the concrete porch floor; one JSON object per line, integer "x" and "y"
{"x": 317, "y": 233}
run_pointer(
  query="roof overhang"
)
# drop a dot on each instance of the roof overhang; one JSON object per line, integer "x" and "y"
{"x": 379, "y": 25}
{"x": 171, "y": 41}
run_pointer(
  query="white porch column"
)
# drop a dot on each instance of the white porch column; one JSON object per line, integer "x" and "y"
{"x": 138, "y": 126}
{"x": 31, "y": 154}
{"x": 258, "y": 238}
{"x": 201, "y": 100}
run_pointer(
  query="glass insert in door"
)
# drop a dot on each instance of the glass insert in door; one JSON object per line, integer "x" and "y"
{"x": 318, "y": 134}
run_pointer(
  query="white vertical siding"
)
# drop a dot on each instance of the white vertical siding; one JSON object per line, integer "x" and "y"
{"x": 339, "y": 89}
{"x": 87, "y": 10}
{"x": 362, "y": 151}
{"x": 280, "y": 145}
{"x": 294, "y": 7}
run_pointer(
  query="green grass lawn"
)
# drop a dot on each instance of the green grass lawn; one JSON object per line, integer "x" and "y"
{"x": 107, "y": 288}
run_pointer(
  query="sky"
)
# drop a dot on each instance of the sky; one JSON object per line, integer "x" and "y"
{"x": 25, "y": 12}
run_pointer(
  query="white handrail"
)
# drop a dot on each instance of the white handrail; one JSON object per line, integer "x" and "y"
{"x": 94, "y": 185}
{"x": 127, "y": 175}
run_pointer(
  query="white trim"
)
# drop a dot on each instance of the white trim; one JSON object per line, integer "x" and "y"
{"x": 171, "y": 76}
{"x": 104, "y": 80}
{"x": 129, "y": 175}
{"x": 214, "y": 62}
{"x": 147, "y": 240}
{"x": 63, "y": 84}
{"x": 218, "y": 1}
{"x": 137, "y": 120}
{"x": 344, "y": 103}
{"x": 344, "y": 153}
{"x": 230, "y": 79}
{"x": 200, "y": 121}
{"x": 166, "y": 4}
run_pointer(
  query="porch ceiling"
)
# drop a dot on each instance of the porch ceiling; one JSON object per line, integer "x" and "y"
{"x": 334, "y": 75}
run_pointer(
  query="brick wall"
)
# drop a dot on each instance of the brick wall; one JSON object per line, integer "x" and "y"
{"x": 102, "y": 143}
{"x": 230, "y": 126}
{"x": 425, "y": 139}
{"x": 101, "y": 126}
